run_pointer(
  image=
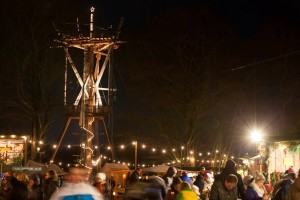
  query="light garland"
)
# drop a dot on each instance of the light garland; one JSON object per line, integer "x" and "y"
{"x": 143, "y": 146}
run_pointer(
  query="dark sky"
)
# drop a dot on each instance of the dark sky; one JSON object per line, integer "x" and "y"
{"x": 260, "y": 31}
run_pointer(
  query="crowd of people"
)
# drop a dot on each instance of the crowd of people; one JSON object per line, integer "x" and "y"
{"x": 227, "y": 185}
{"x": 175, "y": 184}
{"x": 74, "y": 185}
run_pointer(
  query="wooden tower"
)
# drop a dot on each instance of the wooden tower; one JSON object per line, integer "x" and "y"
{"x": 94, "y": 100}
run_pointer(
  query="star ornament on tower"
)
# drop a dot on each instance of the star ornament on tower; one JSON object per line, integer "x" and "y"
{"x": 92, "y": 9}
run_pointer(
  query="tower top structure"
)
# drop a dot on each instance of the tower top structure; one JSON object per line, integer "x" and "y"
{"x": 93, "y": 102}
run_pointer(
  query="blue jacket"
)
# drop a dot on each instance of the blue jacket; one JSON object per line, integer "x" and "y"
{"x": 251, "y": 194}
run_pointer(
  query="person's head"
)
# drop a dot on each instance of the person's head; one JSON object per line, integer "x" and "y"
{"x": 100, "y": 178}
{"x": 291, "y": 170}
{"x": 231, "y": 181}
{"x": 100, "y": 182}
{"x": 202, "y": 170}
{"x": 76, "y": 175}
{"x": 247, "y": 180}
{"x": 34, "y": 179}
{"x": 260, "y": 179}
{"x": 8, "y": 173}
{"x": 185, "y": 185}
{"x": 51, "y": 174}
{"x": 23, "y": 178}
{"x": 176, "y": 184}
{"x": 171, "y": 171}
{"x": 230, "y": 165}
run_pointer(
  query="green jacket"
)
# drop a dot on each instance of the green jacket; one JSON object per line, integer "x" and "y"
{"x": 186, "y": 194}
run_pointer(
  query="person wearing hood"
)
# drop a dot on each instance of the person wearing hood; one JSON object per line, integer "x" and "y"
{"x": 35, "y": 189}
{"x": 50, "y": 184}
{"x": 168, "y": 177}
{"x": 230, "y": 169}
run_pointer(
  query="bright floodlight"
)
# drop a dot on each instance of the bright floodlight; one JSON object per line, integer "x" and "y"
{"x": 256, "y": 135}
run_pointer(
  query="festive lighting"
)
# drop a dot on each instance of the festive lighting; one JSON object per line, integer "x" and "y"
{"x": 256, "y": 135}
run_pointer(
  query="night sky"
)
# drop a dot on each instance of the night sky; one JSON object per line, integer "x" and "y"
{"x": 205, "y": 69}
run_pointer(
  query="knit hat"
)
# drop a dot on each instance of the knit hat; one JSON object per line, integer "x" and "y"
{"x": 260, "y": 177}
{"x": 291, "y": 170}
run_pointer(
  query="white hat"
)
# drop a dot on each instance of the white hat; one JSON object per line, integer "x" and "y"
{"x": 100, "y": 178}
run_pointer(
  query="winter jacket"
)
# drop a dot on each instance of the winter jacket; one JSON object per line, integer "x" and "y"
{"x": 49, "y": 187}
{"x": 134, "y": 177}
{"x": 251, "y": 194}
{"x": 294, "y": 192}
{"x": 282, "y": 187}
{"x": 219, "y": 192}
{"x": 168, "y": 177}
{"x": 70, "y": 191}
{"x": 199, "y": 182}
{"x": 186, "y": 194}
{"x": 230, "y": 169}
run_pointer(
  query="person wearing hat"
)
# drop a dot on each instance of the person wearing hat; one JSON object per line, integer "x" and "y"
{"x": 101, "y": 185}
{"x": 185, "y": 177}
{"x": 256, "y": 189}
{"x": 168, "y": 176}
{"x": 35, "y": 187}
{"x": 230, "y": 169}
